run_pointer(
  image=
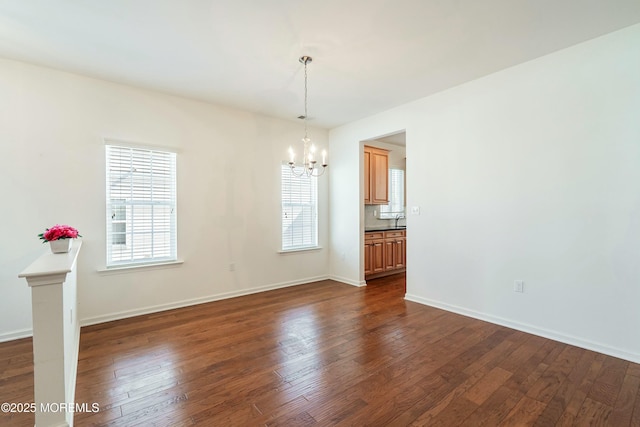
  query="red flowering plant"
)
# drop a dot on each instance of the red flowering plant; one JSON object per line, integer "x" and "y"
{"x": 58, "y": 232}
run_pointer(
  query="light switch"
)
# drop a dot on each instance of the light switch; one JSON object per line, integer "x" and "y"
{"x": 518, "y": 286}
{"x": 415, "y": 210}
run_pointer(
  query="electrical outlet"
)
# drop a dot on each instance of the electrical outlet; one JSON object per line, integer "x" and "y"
{"x": 518, "y": 286}
{"x": 232, "y": 267}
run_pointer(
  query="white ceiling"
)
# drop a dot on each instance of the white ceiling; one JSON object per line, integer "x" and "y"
{"x": 368, "y": 55}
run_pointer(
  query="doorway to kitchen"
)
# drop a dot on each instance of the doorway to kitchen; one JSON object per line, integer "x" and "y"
{"x": 384, "y": 200}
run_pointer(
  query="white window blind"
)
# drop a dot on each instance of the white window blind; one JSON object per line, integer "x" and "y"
{"x": 141, "y": 206}
{"x": 396, "y": 195}
{"x": 299, "y": 210}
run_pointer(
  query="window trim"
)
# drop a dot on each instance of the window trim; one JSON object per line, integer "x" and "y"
{"x": 137, "y": 267}
{"x": 290, "y": 251}
{"x": 125, "y": 265}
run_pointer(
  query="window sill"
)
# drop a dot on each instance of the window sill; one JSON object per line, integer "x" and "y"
{"x": 293, "y": 251}
{"x": 129, "y": 268}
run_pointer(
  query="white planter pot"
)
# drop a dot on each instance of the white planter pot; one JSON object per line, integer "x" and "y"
{"x": 60, "y": 246}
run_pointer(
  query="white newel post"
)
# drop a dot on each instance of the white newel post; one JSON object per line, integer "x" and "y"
{"x": 56, "y": 335}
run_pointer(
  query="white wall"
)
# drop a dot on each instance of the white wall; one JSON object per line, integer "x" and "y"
{"x": 531, "y": 173}
{"x": 51, "y": 144}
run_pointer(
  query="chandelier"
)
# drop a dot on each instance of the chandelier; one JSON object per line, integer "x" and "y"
{"x": 309, "y": 161}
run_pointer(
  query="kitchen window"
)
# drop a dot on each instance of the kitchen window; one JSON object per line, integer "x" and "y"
{"x": 396, "y": 195}
{"x": 141, "y": 206}
{"x": 299, "y": 210}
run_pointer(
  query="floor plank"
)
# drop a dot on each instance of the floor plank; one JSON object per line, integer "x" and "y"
{"x": 326, "y": 353}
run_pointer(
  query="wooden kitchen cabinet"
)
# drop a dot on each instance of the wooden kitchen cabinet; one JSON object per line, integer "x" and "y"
{"x": 400, "y": 253}
{"x": 376, "y": 176}
{"x": 367, "y": 176}
{"x": 395, "y": 246}
{"x": 384, "y": 253}
{"x": 389, "y": 255}
{"x": 374, "y": 261}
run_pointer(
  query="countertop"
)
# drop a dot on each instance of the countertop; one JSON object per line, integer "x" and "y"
{"x": 385, "y": 228}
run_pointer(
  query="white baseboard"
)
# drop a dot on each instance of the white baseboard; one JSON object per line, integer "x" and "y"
{"x": 194, "y": 301}
{"x": 348, "y": 281}
{"x": 16, "y": 335}
{"x": 545, "y": 333}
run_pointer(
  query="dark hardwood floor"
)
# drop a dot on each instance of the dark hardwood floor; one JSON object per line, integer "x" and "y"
{"x": 330, "y": 354}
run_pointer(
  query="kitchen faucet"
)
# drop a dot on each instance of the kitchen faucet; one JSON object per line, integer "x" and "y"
{"x": 398, "y": 217}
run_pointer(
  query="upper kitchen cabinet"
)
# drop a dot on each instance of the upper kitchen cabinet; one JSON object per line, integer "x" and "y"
{"x": 376, "y": 176}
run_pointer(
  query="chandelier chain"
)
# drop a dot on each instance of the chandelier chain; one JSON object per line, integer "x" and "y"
{"x": 305, "y": 98}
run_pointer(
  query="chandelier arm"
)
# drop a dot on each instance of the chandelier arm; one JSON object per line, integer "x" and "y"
{"x": 293, "y": 171}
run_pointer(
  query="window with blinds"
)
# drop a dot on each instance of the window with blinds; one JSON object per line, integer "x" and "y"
{"x": 299, "y": 210}
{"x": 141, "y": 206}
{"x": 396, "y": 195}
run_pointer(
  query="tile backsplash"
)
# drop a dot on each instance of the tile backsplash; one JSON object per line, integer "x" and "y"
{"x": 371, "y": 213}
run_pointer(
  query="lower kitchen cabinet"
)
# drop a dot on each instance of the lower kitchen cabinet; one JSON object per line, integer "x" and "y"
{"x": 385, "y": 252}
{"x": 374, "y": 246}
